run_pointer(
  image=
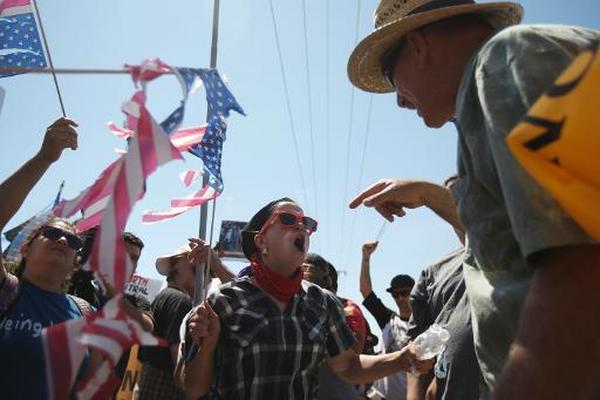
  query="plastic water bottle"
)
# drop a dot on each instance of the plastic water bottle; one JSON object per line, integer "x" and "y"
{"x": 430, "y": 343}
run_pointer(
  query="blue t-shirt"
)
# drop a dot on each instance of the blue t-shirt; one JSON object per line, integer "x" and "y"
{"x": 22, "y": 369}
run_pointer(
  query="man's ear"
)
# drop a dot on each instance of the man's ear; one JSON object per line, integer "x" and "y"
{"x": 418, "y": 47}
{"x": 25, "y": 250}
{"x": 259, "y": 242}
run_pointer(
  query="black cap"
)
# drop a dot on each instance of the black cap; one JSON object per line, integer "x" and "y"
{"x": 255, "y": 225}
{"x": 401, "y": 281}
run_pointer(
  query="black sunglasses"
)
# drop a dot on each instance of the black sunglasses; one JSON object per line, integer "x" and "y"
{"x": 388, "y": 61}
{"x": 52, "y": 233}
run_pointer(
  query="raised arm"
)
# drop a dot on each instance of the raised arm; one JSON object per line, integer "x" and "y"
{"x": 366, "y": 288}
{"x": 13, "y": 191}
{"x": 219, "y": 269}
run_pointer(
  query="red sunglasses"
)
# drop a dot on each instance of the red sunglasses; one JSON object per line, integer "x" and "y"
{"x": 290, "y": 219}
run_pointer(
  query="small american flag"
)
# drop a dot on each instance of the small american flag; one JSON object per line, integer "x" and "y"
{"x": 21, "y": 46}
{"x": 220, "y": 102}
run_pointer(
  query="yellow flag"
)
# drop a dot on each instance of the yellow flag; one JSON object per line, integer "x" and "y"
{"x": 558, "y": 142}
{"x": 132, "y": 375}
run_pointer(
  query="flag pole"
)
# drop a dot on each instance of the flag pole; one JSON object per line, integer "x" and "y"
{"x": 199, "y": 292}
{"x": 37, "y": 14}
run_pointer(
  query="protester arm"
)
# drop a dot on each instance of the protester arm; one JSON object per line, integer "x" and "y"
{"x": 13, "y": 191}
{"x": 140, "y": 313}
{"x": 366, "y": 287}
{"x": 198, "y": 374}
{"x": 219, "y": 269}
{"x": 557, "y": 346}
{"x": 378, "y": 310}
{"x": 390, "y": 197}
{"x": 359, "y": 369}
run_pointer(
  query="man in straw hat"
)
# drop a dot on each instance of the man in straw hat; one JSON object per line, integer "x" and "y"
{"x": 169, "y": 308}
{"x": 530, "y": 271}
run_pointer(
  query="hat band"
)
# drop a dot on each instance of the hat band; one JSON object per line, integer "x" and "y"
{"x": 436, "y": 4}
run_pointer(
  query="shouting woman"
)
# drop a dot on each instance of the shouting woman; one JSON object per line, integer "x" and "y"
{"x": 263, "y": 336}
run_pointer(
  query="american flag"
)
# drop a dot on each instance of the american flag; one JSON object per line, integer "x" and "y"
{"x": 210, "y": 150}
{"x": 21, "y": 44}
{"x": 93, "y": 200}
{"x": 107, "y": 331}
{"x": 220, "y": 102}
{"x": 220, "y": 99}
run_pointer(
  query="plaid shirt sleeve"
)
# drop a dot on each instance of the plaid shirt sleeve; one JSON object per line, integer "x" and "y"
{"x": 340, "y": 337}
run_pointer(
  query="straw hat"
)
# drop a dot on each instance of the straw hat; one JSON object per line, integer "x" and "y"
{"x": 163, "y": 263}
{"x": 395, "y": 18}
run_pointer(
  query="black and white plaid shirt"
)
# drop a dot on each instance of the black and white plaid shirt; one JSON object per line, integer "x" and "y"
{"x": 267, "y": 354}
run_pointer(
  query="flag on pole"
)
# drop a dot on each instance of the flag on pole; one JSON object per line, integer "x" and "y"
{"x": 93, "y": 201}
{"x": 220, "y": 103}
{"x": 21, "y": 44}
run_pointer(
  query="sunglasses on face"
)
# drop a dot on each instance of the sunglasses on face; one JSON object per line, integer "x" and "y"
{"x": 289, "y": 219}
{"x": 398, "y": 293}
{"x": 53, "y": 233}
{"x": 389, "y": 59}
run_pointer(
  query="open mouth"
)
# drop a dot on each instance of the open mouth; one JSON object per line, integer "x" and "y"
{"x": 299, "y": 243}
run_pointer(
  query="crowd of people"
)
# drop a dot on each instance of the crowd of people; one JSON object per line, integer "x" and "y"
{"x": 517, "y": 296}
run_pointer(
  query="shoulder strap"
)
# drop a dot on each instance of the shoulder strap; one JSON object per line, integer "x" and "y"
{"x": 84, "y": 307}
{"x": 10, "y": 289}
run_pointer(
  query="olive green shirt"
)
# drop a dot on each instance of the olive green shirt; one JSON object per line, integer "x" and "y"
{"x": 507, "y": 215}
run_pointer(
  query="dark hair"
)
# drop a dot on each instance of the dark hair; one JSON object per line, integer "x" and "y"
{"x": 333, "y": 275}
{"x": 327, "y": 268}
{"x": 20, "y": 268}
{"x": 256, "y": 223}
{"x": 133, "y": 240}
{"x": 401, "y": 281}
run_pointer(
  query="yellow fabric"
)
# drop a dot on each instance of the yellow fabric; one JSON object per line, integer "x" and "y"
{"x": 131, "y": 377}
{"x": 558, "y": 142}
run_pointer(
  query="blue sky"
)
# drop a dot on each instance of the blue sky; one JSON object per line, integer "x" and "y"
{"x": 259, "y": 162}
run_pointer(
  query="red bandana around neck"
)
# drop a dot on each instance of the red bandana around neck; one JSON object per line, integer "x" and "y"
{"x": 282, "y": 288}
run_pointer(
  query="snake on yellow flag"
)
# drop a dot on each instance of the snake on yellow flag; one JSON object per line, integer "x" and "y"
{"x": 558, "y": 142}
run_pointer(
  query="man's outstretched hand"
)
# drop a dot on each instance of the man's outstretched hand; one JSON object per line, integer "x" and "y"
{"x": 391, "y": 196}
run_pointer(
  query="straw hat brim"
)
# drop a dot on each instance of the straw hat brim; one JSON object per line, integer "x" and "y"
{"x": 364, "y": 65}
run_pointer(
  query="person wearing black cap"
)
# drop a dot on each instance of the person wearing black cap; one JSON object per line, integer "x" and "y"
{"x": 393, "y": 324}
{"x": 263, "y": 336}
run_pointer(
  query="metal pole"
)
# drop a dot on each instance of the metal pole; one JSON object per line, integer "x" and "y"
{"x": 60, "y": 99}
{"x": 199, "y": 292}
{"x": 76, "y": 71}
{"x": 213, "y": 64}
